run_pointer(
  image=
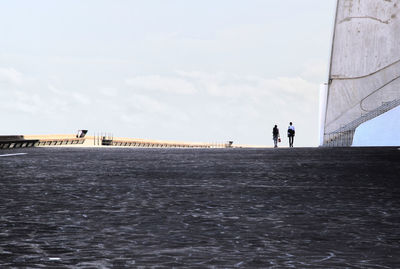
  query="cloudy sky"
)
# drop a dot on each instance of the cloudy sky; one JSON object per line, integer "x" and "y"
{"x": 190, "y": 70}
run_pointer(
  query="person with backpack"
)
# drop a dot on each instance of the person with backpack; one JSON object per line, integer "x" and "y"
{"x": 275, "y": 136}
{"x": 291, "y": 133}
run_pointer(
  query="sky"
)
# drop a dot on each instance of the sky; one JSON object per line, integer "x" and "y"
{"x": 380, "y": 131}
{"x": 185, "y": 70}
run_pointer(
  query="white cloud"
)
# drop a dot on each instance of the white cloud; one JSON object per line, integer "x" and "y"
{"x": 81, "y": 98}
{"x": 53, "y": 89}
{"x": 234, "y": 86}
{"x": 315, "y": 70}
{"x": 162, "y": 84}
{"x": 10, "y": 75}
{"x": 150, "y": 106}
{"x": 110, "y": 92}
{"x": 145, "y": 104}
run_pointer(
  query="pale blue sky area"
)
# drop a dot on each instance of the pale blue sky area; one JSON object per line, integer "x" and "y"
{"x": 206, "y": 71}
{"x": 380, "y": 131}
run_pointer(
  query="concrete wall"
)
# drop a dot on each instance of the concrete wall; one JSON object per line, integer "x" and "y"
{"x": 365, "y": 63}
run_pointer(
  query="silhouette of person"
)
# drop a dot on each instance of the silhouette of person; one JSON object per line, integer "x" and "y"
{"x": 290, "y": 134}
{"x": 275, "y": 135}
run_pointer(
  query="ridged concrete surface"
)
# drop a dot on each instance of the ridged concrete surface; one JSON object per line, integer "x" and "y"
{"x": 188, "y": 208}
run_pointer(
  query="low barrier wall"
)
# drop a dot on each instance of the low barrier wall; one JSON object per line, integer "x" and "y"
{"x": 20, "y": 141}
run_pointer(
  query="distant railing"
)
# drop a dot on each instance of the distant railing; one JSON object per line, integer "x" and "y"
{"x": 343, "y": 137}
{"x": 59, "y": 142}
{"x": 12, "y": 144}
{"x": 339, "y": 139}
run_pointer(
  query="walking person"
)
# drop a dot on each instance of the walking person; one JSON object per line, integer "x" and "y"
{"x": 290, "y": 134}
{"x": 275, "y": 136}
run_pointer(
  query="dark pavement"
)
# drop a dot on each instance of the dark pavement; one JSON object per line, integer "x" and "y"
{"x": 200, "y": 208}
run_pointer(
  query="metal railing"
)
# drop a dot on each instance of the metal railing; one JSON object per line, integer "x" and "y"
{"x": 343, "y": 137}
{"x": 339, "y": 139}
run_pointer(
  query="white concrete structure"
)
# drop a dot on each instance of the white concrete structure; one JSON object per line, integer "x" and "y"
{"x": 364, "y": 76}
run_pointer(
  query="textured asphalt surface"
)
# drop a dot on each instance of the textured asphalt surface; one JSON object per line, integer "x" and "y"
{"x": 211, "y": 208}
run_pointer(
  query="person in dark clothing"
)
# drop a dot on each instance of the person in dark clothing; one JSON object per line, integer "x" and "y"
{"x": 275, "y": 135}
{"x": 291, "y": 133}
